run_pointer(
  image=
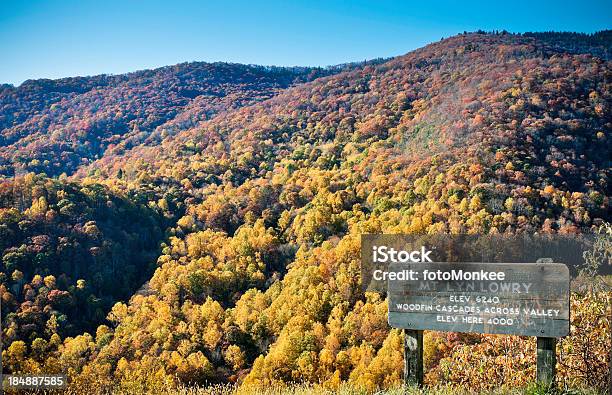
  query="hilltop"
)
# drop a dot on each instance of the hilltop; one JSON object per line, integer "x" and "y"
{"x": 56, "y": 126}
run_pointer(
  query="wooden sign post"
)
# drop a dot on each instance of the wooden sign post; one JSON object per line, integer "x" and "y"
{"x": 546, "y": 360}
{"x": 413, "y": 357}
{"x": 527, "y": 299}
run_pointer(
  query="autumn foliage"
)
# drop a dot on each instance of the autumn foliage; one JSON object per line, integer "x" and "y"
{"x": 217, "y": 240}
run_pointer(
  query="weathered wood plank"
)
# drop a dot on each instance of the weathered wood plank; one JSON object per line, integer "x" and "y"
{"x": 549, "y": 279}
{"x": 532, "y": 299}
{"x": 534, "y": 327}
{"x": 469, "y": 305}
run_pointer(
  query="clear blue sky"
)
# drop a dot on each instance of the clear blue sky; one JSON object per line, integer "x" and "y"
{"x": 52, "y": 39}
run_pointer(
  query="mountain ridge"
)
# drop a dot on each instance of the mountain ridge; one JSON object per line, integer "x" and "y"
{"x": 80, "y": 118}
{"x": 414, "y": 62}
{"x": 86, "y": 135}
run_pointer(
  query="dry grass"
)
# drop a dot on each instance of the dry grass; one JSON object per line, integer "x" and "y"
{"x": 308, "y": 389}
{"x": 346, "y": 389}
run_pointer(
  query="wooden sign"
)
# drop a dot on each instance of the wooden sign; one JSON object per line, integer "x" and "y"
{"x": 528, "y": 299}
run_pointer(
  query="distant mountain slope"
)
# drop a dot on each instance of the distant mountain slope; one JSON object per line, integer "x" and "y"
{"x": 475, "y": 94}
{"x": 59, "y": 126}
{"x": 55, "y": 126}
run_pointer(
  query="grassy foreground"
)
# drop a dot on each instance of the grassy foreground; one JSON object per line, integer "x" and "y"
{"x": 347, "y": 389}
{"x": 352, "y": 390}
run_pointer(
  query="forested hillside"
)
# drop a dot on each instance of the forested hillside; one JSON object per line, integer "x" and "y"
{"x": 56, "y": 126}
{"x": 258, "y": 277}
{"x": 69, "y": 252}
{"x": 598, "y": 44}
{"x": 514, "y": 116}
